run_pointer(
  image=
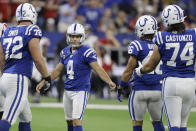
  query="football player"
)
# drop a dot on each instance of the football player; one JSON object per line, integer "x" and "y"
{"x": 78, "y": 61}
{"x": 146, "y": 90}
{"x": 3, "y": 27}
{"x": 176, "y": 47}
{"x": 18, "y": 49}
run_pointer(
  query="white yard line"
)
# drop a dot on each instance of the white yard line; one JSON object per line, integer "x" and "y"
{"x": 89, "y": 106}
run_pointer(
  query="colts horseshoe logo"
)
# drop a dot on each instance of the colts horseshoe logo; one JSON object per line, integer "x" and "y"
{"x": 145, "y": 19}
{"x": 166, "y": 15}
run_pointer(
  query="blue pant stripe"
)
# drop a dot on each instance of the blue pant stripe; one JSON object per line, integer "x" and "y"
{"x": 164, "y": 105}
{"x": 84, "y": 104}
{"x": 18, "y": 80}
{"x": 132, "y": 99}
{"x": 21, "y": 93}
{"x": 129, "y": 104}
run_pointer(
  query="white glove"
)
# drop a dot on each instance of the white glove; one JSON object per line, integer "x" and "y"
{"x": 138, "y": 71}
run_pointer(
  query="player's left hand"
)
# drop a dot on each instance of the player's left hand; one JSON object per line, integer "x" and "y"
{"x": 44, "y": 86}
{"x": 39, "y": 86}
{"x": 112, "y": 85}
{"x": 119, "y": 92}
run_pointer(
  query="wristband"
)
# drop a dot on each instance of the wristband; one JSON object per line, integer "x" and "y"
{"x": 47, "y": 78}
{"x": 123, "y": 84}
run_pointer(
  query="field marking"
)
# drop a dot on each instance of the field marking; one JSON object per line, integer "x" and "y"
{"x": 89, "y": 106}
{"x": 95, "y": 106}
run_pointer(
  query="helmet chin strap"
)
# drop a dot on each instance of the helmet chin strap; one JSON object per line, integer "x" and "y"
{"x": 75, "y": 45}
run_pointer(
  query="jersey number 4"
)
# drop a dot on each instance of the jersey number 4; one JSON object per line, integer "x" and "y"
{"x": 186, "y": 54}
{"x": 70, "y": 70}
{"x": 12, "y": 47}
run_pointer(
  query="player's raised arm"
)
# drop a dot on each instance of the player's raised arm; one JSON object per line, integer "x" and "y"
{"x": 103, "y": 75}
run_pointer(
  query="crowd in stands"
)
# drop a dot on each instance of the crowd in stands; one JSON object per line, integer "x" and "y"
{"x": 110, "y": 23}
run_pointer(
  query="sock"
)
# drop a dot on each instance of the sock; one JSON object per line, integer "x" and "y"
{"x": 158, "y": 126}
{"x": 1, "y": 114}
{"x": 174, "y": 129}
{"x": 70, "y": 128}
{"x": 24, "y": 126}
{"x": 137, "y": 128}
{"x": 183, "y": 129}
{"x": 4, "y": 125}
{"x": 77, "y": 128}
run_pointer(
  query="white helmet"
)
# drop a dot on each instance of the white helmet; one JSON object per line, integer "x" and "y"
{"x": 3, "y": 27}
{"x": 26, "y": 11}
{"x": 172, "y": 14}
{"x": 75, "y": 29}
{"x": 146, "y": 24}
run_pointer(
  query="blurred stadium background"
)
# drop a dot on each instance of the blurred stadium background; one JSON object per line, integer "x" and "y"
{"x": 110, "y": 27}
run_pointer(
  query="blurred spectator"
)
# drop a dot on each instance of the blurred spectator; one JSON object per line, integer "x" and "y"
{"x": 106, "y": 20}
{"x": 5, "y": 10}
{"x": 50, "y": 14}
{"x": 148, "y": 7}
{"x": 67, "y": 14}
{"x": 92, "y": 40}
{"x": 91, "y": 13}
{"x": 39, "y": 6}
{"x": 192, "y": 11}
{"x": 60, "y": 81}
{"x": 109, "y": 40}
{"x": 15, "y": 4}
{"x": 121, "y": 22}
{"x": 36, "y": 76}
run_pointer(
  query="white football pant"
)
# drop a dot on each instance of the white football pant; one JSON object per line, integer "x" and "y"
{"x": 15, "y": 89}
{"x": 140, "y": 101}
{"x": 74, "y": 104}
{"x": 2, "y": 99}
{"x": 178, "y": 96}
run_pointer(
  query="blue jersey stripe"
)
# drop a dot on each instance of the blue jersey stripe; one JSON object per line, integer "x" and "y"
{"x": 136, "y": 46}
{"x": 138, "y": 43}
{"x": 158, "y": 39}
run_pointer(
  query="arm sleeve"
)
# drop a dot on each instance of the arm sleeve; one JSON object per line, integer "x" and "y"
{"x": 33, "y": 31}
{"x": 90, "y": 55}
{"x": 134, "y": 48}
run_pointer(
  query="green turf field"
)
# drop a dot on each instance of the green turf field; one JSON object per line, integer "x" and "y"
{"x": 52, "y": 119}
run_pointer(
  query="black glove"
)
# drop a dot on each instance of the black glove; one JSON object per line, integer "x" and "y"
{"x": 47, "y": 85}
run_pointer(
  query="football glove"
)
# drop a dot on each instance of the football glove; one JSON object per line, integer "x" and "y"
{"x": 47, "y": 85}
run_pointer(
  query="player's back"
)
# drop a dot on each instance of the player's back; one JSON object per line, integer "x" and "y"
{"x": 143, "y": 50}
{"x": 15, "y": 46}
{"x": 177, "y": 53}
